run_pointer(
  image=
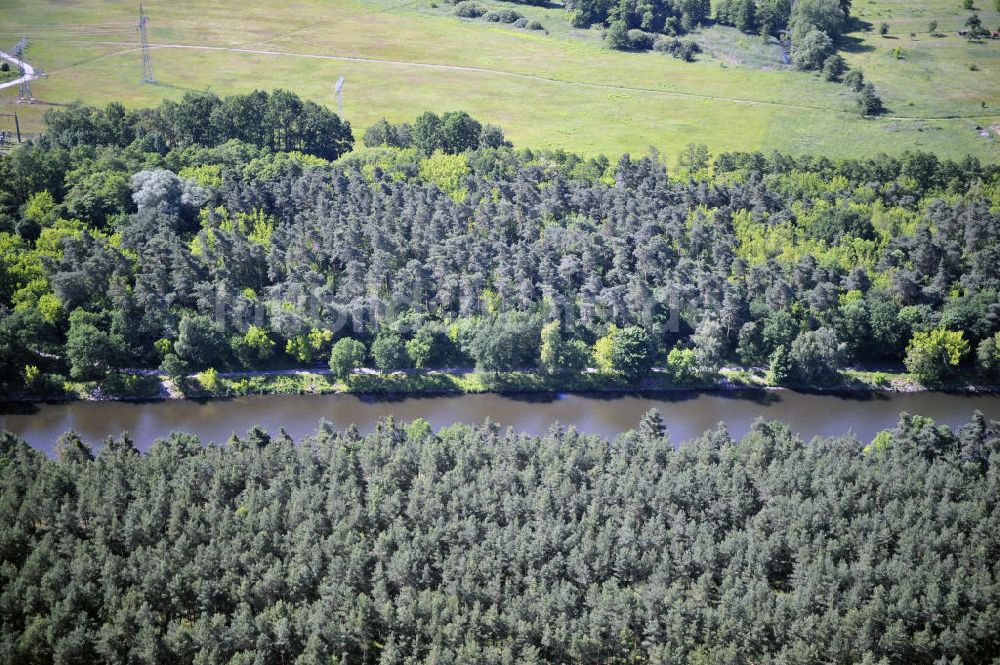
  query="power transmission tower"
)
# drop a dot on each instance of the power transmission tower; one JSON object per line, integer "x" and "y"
{"x": 24, "y": 87}
{"x": 147, "y": 61}
{"x": 339, "y": 88}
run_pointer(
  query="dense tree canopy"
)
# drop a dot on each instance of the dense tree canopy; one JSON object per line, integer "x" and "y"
{"x": 234, "y": 255}
{"x": 452, "y": 133}
{"x": 476, "y": 546}
{"x": 654, "y": 16}
{"x": 279, "y": 120}
{"x": 813, "y": 26}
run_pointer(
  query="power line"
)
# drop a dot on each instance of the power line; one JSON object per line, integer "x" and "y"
{"x": 36, "y": 35}
{"x": 24, "y": 86}
{"x": 147, "y": 61}
{"x": 70, "y": 25}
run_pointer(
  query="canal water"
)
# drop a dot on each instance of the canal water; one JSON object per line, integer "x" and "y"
{"x": 687, "y": 414}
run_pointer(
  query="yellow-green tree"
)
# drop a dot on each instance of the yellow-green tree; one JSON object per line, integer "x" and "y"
{"x": 346, "y": 356}
{"x": 934, "y": 355}
{"x": 624, "y": 351}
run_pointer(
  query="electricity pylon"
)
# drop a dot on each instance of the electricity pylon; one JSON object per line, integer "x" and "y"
{"x": 147, "y": 61}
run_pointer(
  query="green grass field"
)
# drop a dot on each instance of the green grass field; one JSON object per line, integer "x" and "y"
{"x": 562, "y": 89}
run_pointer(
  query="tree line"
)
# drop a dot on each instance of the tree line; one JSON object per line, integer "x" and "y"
{"x": 475, "y": 545}
{"x": 453, "y": 248}
{"x": 812, "y": 28}
{"x": 279, "y": 120}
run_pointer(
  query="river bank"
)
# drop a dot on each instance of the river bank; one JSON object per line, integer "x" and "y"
{"x": 142, "y": 385}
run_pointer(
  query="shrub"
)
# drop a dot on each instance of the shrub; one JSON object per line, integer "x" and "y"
{"x": 639, "y": 40}
{"x": 664, "y": 44}
{"x": 883, "y": 29}
{"x": 833, "y": 67}
{"x": 468, "y": 9}
{"x": 975, "y": 28}
{"x": 51, "y": 385}
{"x": 254, "y": 347}
{"x": 535, "y": 25}
{"x": 617, "y": 36}
{"x": 881, "y": 442}
{"x": 688, "y": 51}
{"x": 209, "y": 379}
{"x": 31, "y": 375}
{"x": 130, "y": 385}
{"x": 869, "y": 103}
{"x": 682, "y": 366}
{"x": 810, "y": 52}
{"x": 780, "y": 367}
{"x": 521, "y": 22}
{"x": 932, "y": 27}
{"x": 685, "y": 50}
{"x": 855, "y": 80}
{"x": 40, "y": 383}
{"x": 173, "y": 366}
{"x": 502, "y": 16}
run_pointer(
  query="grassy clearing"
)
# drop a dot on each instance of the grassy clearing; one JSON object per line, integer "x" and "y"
{"x": 422, "y": 383}
{"x": 933, "y": 77}
{"x": 299, "y": 384}
{"x": 526, "y": 381}
{"x": 130, "y": 387}
{"x": 115, "y": 386}
{"x": 561, "y": 89}
{"x": 732, "y": 47}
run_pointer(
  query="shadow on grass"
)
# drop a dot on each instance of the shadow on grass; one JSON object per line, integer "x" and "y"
{"x": 857, "y": 24}
{"x": 853, "y": 44}
{"x": 174, "y": 86}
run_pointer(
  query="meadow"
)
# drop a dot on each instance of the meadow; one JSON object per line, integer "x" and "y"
{"x": 558, "y": 88}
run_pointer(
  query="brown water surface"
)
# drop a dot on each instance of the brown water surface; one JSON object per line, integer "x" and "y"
{"x": 687, "y": 414}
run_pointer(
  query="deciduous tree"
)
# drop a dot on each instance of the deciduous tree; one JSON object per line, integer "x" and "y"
{"x": 934, "y": 356}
